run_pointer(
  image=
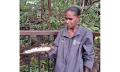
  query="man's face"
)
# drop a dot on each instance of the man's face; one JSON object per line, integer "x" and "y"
{"x": 71, "y": 19}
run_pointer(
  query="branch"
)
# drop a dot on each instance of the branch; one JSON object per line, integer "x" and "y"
{"x": 87, "y": 7}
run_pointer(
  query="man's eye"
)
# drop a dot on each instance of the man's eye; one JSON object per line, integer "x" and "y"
{"x": 66, "y": 18}
{"x": 70, "y": 18}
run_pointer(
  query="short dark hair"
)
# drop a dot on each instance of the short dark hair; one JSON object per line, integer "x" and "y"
{"x": 74, "y": 9}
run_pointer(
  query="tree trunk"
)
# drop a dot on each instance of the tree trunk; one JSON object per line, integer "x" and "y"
{"x": 74, "y": 2}
{"x": 49, "y": 13}
{"x": 42, "y": 8}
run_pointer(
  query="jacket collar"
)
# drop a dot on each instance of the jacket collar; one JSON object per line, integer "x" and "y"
{"x": 65, "y": 32}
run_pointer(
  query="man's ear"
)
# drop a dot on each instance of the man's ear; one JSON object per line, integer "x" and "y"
{"x": 78, "y": 18}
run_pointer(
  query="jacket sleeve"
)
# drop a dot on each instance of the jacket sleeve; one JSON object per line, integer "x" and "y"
{"x": 52, "y": 53}
{"x": 88, "y": 51}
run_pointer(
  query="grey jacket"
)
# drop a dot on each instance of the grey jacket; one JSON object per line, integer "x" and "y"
{"x": 72, "y": 54}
